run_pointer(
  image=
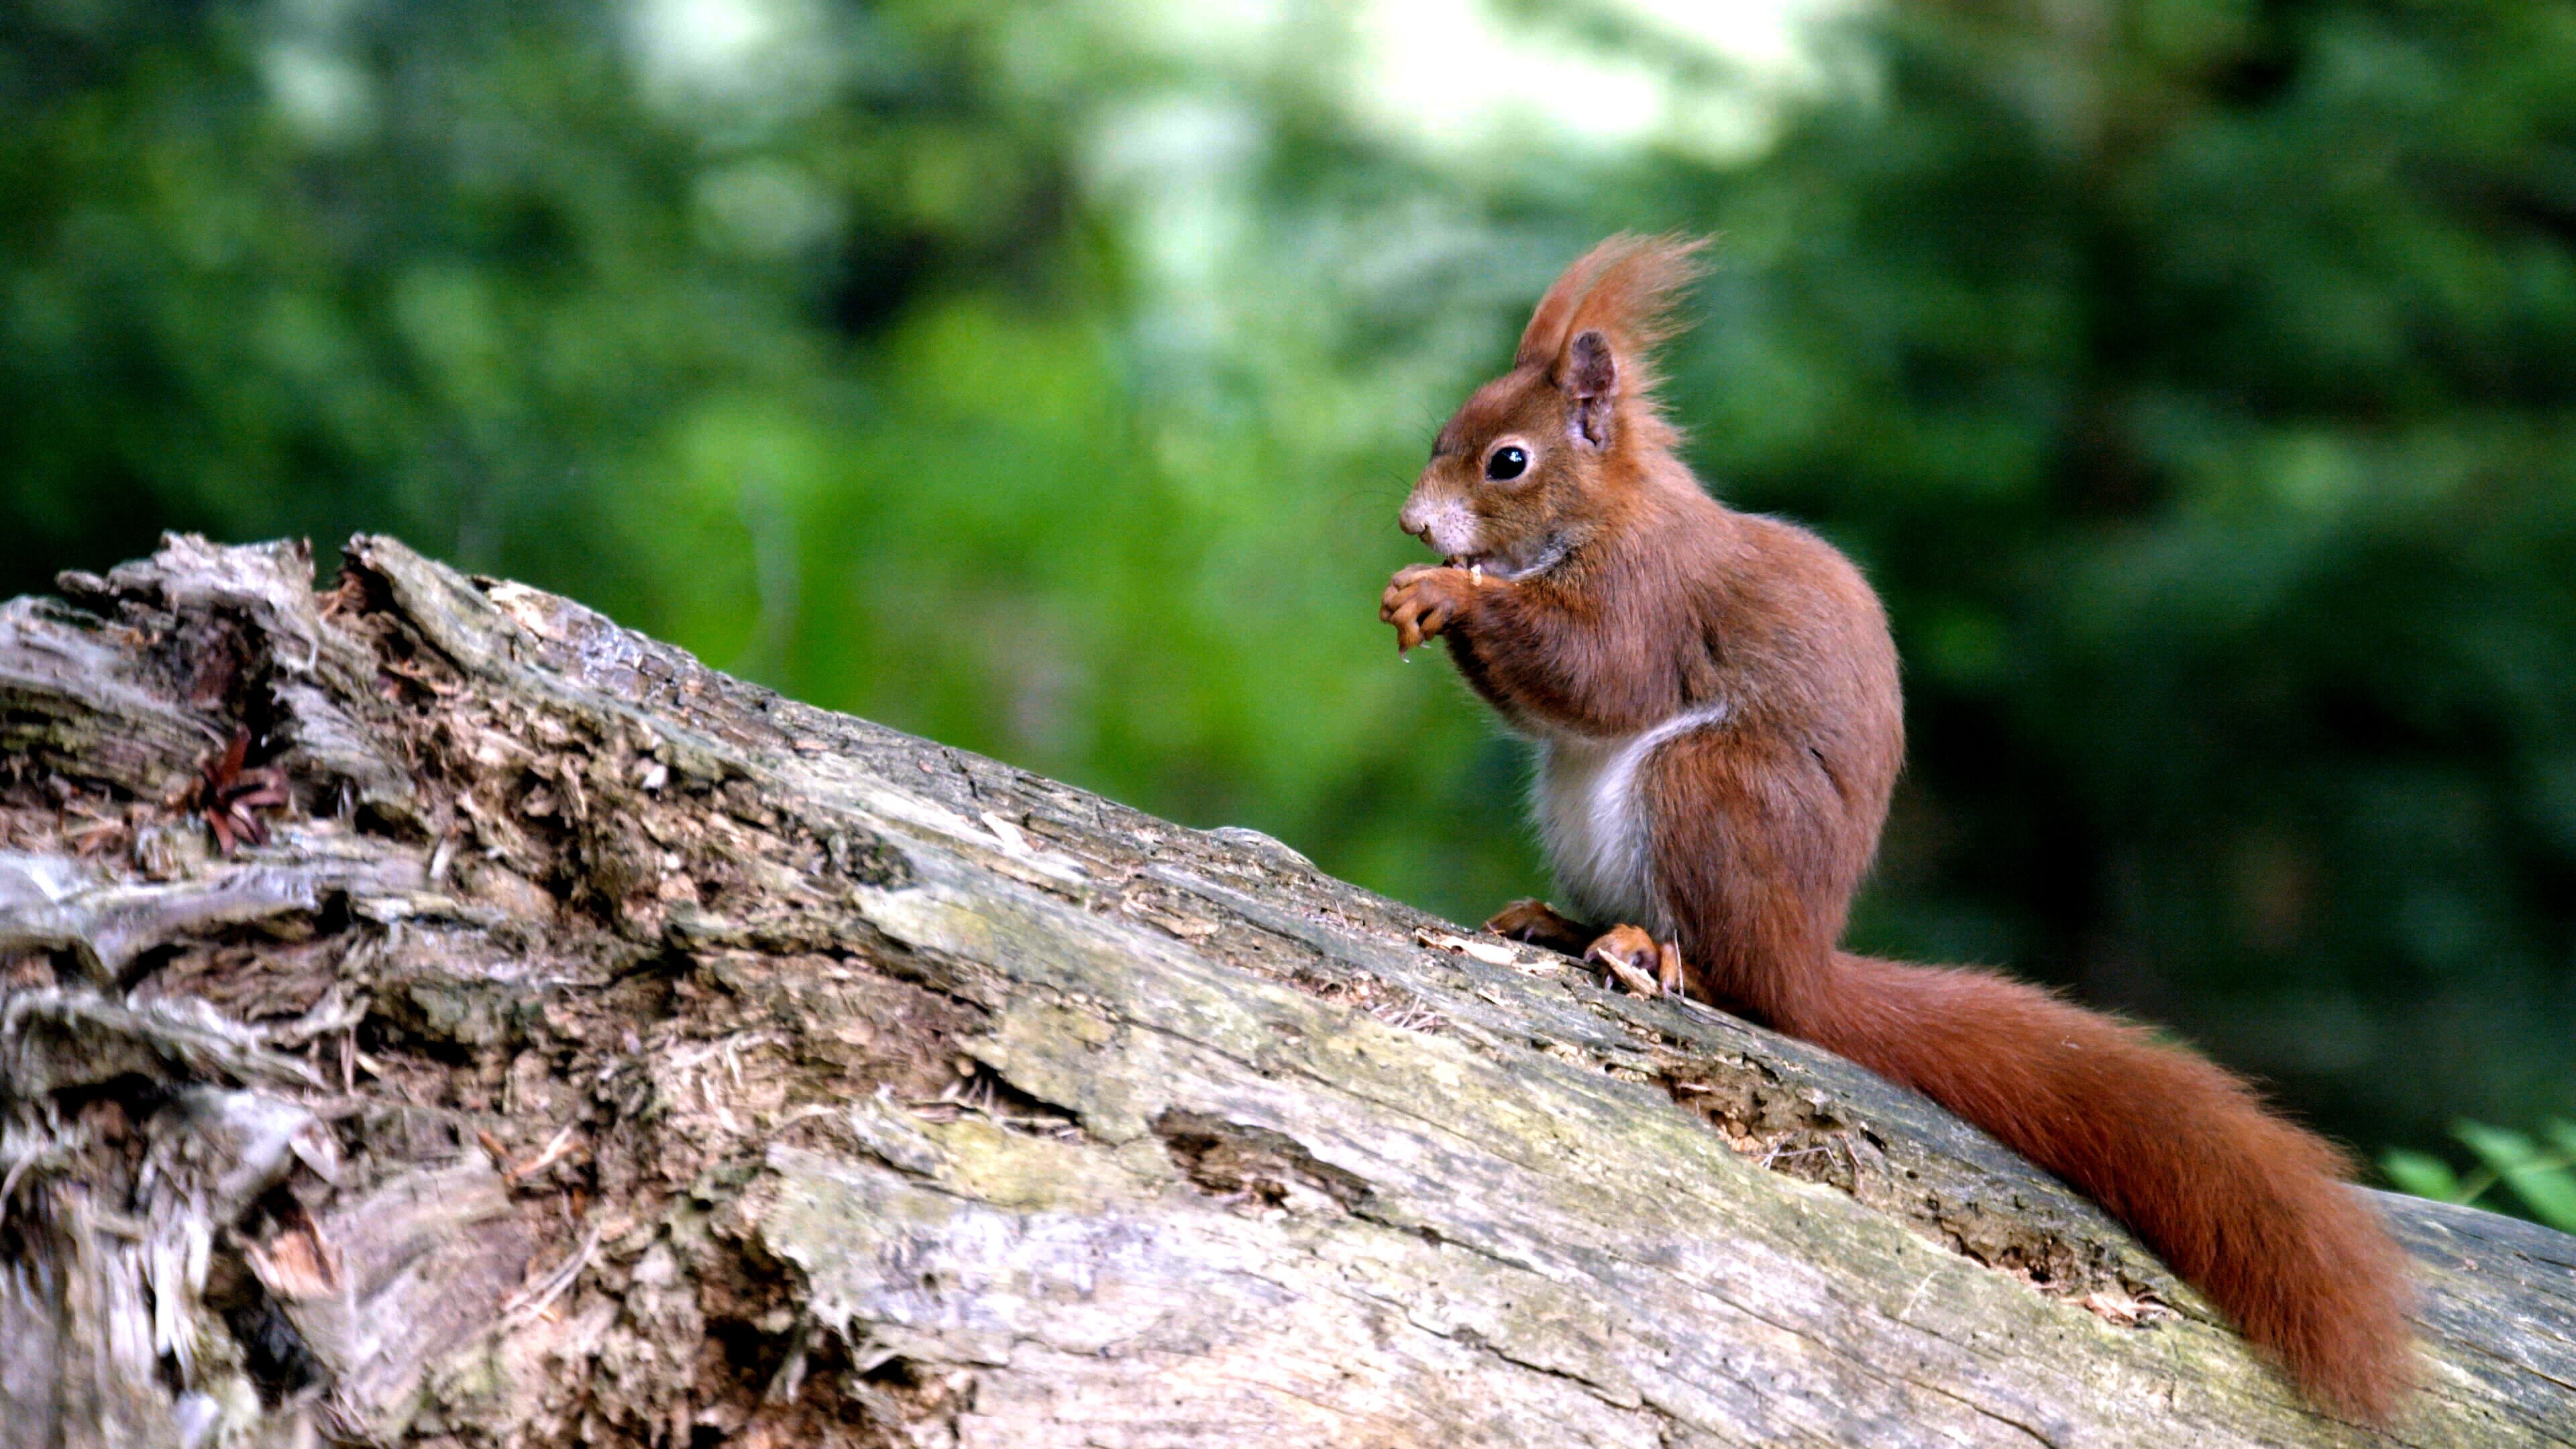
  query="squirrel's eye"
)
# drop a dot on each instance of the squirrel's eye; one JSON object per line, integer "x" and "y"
{"x": 1506, "y": 463}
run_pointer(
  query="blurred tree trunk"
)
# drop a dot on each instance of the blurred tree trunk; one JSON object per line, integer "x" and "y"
{"x": 527, "y": 1035}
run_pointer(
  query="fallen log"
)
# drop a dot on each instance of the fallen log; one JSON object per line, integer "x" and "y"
{"x": 434, "y": 1014}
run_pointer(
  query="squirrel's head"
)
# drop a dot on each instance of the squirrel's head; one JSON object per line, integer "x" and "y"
{"x": 1535, "y": 462}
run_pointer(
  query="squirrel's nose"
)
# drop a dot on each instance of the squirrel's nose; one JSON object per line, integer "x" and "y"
{"x": 1415, "y": 520}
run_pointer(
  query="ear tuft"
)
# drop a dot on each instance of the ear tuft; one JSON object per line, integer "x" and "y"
{"x": 1605, "y": 315}
{"x": 1624, "y": 287}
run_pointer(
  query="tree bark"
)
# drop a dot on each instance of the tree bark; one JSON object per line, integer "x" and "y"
{"x": 534, "y": 1037}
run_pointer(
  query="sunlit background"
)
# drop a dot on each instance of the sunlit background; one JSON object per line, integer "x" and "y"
{"x": 2197, "y": 379}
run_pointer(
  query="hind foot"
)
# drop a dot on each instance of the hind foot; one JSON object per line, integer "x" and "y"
{"x": 1538, "y": 923}
{"x": 1638, "y": 961}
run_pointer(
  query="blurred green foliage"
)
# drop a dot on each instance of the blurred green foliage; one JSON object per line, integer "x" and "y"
{"x": 2196, "y": 377}
{"x": 2543, "y": 1180}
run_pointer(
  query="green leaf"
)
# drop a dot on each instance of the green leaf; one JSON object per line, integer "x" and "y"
{"x": 2421, "y": 1173}
{"x": 2546, "y": 1185}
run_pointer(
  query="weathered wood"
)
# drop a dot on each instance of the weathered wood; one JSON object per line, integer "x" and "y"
{"x": 604, "y": 1050}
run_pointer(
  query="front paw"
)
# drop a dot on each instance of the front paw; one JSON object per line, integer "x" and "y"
{"x": 1638, "y": 961}
{"x": 1423, "y": 600}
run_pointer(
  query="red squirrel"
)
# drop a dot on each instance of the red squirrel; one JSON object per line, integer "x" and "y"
{"x": 1713, "y": 696}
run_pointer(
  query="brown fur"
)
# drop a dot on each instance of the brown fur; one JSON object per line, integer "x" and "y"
{"x": 1602, "y": 592}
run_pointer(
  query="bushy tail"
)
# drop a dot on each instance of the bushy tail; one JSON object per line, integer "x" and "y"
{"x": 2250, "y": 1209}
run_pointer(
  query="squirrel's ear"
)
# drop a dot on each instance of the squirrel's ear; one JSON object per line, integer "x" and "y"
{"x": 1590, "y": 379}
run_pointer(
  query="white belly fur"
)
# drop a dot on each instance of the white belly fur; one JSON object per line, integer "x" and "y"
{"x": 1594, "y": 827}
